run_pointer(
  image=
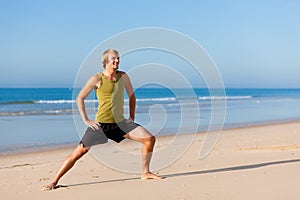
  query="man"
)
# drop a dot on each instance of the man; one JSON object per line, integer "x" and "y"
{"x": 109, "y": 122}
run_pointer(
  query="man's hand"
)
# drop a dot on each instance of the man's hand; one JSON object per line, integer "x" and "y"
{"x": 129, "y": 120}
{"x": 93, "y": 124}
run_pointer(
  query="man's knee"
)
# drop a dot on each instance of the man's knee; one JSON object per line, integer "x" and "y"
{"x": 150, "y": 140}
{"x": 83, "y": 150}
{"x": 79, "y": 152}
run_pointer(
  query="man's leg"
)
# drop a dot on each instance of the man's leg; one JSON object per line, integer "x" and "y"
{"x": 67, "y": 165}
{"x": 142, "y": 135}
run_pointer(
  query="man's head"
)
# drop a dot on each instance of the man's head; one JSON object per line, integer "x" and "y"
{"x": 111, "y": 58}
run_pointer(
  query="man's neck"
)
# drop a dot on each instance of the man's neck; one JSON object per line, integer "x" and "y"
{"x": 110, "y": 73}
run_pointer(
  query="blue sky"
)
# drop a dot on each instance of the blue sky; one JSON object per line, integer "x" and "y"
{"x": 253, "y": 43}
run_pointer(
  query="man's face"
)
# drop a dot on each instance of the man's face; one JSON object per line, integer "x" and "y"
{"x": 113, "y": 61}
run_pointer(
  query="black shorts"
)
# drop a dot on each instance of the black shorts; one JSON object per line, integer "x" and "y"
{"x": 113, "y": 131}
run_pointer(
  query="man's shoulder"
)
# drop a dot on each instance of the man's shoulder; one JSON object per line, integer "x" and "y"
{"x": 121, "y": 72}
{"x": 97, "y": 76}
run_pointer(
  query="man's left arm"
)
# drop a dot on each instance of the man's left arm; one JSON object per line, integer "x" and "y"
{"x": 131, "y": 96}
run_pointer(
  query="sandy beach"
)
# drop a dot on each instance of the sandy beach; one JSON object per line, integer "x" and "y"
{"x": 260, "y": 162}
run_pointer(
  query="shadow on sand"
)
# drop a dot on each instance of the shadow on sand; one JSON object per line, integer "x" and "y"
{"x": 192, "y": 173}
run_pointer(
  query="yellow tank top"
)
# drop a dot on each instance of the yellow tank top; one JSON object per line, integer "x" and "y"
{"x": 110, "y": 97}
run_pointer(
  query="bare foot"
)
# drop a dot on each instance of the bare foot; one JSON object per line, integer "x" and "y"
{"x": 149, "y": 175}
{"x": 49, "y": 187}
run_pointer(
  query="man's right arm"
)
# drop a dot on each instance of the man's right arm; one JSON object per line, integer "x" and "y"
{"x": 84, "y": 92}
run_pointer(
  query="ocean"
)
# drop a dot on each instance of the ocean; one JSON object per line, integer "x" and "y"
{"x": 39, "y": 118}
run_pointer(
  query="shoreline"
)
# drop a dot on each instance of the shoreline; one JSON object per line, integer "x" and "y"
{"x": 72, "y": 145}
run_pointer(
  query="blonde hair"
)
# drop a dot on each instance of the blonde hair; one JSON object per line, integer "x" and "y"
{"x": 105, "y": 56}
